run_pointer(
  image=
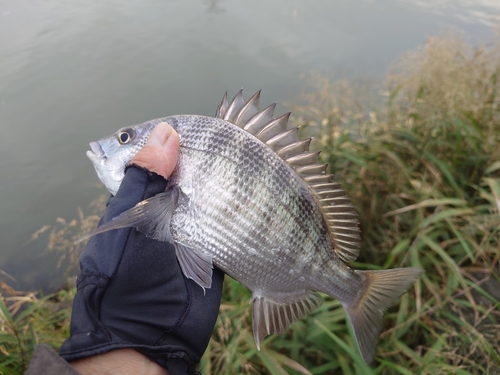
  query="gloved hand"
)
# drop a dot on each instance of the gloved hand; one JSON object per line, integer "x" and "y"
{"x": 131, "y": 292}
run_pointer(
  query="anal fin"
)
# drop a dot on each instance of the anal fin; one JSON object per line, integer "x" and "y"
{"x": 275, "y": 315}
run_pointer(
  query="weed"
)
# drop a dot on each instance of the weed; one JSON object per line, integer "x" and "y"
{"x": 26, "y": 320}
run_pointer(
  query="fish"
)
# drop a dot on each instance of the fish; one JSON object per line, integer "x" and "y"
{"x": 249, "y": 197}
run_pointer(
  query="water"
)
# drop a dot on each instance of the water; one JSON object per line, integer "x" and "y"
{"x": 74, "y": 71}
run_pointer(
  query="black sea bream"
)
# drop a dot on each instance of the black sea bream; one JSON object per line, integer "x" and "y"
{"x": 250, "y": 198}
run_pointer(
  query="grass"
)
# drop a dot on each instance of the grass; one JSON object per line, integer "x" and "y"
{"x": 423, "y": 169}
{"x": 27, "y": 319}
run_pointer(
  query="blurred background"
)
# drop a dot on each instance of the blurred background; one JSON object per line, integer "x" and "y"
{"x": 72, "y": 72}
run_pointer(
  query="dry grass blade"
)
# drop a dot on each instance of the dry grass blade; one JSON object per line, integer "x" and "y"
{"x": 426, "y": 203}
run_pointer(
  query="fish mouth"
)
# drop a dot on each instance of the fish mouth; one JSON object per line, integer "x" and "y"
{"x": 97, "y": 152}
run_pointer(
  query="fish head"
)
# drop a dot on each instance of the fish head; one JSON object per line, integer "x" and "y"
{"x": 111, "y": 155}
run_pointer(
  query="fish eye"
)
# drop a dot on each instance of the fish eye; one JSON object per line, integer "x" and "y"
{"x": 126, "y": 135}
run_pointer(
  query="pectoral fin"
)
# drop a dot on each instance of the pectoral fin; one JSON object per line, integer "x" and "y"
{"x": 151, "y": 216}
{"x": 275, "y": 315}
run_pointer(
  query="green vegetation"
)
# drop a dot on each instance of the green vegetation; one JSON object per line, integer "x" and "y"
{"x": 423, "y": 170}
{"x": 26, "y": 320}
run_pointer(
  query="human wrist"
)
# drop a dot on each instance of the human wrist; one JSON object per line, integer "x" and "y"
{"x": 119, "y": 361}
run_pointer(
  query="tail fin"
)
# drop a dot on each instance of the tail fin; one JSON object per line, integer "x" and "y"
{"x": 383, "y": 288}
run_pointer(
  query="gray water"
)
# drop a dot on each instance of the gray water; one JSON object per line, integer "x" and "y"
{"x": 74, "y": 71}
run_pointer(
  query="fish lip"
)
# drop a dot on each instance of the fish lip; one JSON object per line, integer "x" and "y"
{"x": 97, "y": 152}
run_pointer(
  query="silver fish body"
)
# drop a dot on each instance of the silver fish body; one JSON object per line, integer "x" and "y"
{"x": 245, "y": 206}
{"x": 248, "y": 196}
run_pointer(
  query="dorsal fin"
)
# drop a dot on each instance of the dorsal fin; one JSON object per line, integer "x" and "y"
{"x": 248, "y": 111}
{"x": 234, "y": 107}
{"x": 222, "y": 108}
{"x": 335, "y": 204}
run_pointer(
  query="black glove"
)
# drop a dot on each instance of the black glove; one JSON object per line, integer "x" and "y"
{"x": 131, "y": 292}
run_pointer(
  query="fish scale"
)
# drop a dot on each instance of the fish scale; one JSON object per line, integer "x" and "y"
{"x": 230, "y": 225}
{"x": 249, "y": 197}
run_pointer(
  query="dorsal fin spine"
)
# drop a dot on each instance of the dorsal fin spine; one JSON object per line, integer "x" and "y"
{"x": 260, "y": 120}
{"x": 283, "y": 139}
{"x": 304, "y": 158}
{"x": 275, "y": 127}
{"x": 234, "y": 107}
{"x": 313, "y": 169}
{"x": 248, "y": 110}
{"x": 294, "y": 149}
{"x": 221, "y": 109}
